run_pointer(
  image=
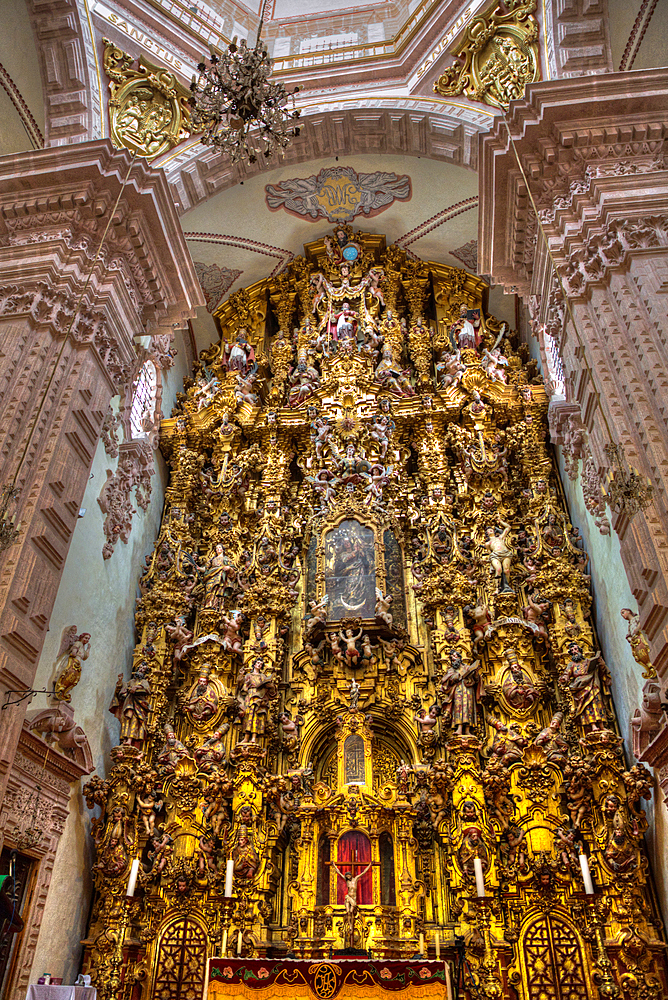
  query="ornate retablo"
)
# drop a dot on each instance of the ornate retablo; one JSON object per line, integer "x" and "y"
{"x": 366, "y": 683}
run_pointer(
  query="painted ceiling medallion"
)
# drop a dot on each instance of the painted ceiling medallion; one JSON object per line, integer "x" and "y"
{"x": 148, "y": 109}
{"x": 338, "y": 194}
{"x": 497, "y": 58}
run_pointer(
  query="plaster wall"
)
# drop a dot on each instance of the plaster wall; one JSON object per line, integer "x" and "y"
{"x": 97, "y": 596}
{"x": 612, "y": 592}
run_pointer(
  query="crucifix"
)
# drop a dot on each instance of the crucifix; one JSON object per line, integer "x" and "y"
{"x": 350, "y": 898}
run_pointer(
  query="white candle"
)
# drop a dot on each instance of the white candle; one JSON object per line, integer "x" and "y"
{"x": 422, "y": 944}
{"x": 224, "y": 949}
{"x": 229, "y": 875}
{"x": 437, "y": 943}
{"x": 586, "y": 875}
{"x": 448, "y": 981}
{"x": 239, "y": 943}
{"x": 132, "y": 881}
{"x": 479, "y": 878}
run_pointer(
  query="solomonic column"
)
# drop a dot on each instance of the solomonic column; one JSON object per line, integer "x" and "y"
{"x": 91, "y": 255}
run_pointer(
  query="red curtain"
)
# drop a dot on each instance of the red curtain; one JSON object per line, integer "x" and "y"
{"x": 355, "y": 847}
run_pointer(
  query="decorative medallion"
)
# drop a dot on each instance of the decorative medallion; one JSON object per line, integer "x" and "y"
{"x": 148, "y": 107}
{"x": 338, "y": 194}
{"x": 497, "y": 58}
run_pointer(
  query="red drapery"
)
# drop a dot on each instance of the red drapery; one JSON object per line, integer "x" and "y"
{"x": 356, "y": 847}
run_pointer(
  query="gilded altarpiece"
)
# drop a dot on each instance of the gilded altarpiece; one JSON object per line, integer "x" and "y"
{"x": 366, "y": 672}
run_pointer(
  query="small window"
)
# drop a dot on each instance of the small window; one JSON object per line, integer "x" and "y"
{"x": 143, "y": 399}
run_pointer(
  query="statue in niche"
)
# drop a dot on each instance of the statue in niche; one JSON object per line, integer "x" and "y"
{"x": 130, "y": 705}
{"x": 350, "y": 579}
{"x": 245, "y": 857}
{"x": 586, "y": 677}
{"x": 519, "y": 690}
{"x": 499, "y": 555}
{"x": 465, "y": 331}
{"x": 203, "y": 702}
{"x": 460, "y": 688}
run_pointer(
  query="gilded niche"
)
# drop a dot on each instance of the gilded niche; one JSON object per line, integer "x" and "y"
{"x": 497, "y": 58}
{"x": 148, "y": 109}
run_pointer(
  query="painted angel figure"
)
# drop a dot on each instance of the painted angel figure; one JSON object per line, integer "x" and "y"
{"x": 378, "y": 477}
{"x": 324, "y": 483}
{"x": 76, "y": 648}
{"x": 383, "y": 607}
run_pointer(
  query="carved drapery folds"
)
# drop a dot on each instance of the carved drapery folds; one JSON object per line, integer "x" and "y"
{"x": 366, "y": 668}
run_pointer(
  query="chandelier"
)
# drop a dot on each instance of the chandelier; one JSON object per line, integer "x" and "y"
{"x": 627, "y": 491}
{"x": 237, "y": 108}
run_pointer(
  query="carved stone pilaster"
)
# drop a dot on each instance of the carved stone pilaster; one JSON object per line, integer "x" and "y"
{"x": 70, "y": 306}
{"x": 598, "y": 177}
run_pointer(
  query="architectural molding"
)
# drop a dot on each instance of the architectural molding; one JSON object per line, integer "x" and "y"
{"x": 65, "y": 46}
{"x": 197, "y": 174}
{"x": 598, "y": 177}
{"x": 576, "y": 37}
{"x": 22, "y": 109}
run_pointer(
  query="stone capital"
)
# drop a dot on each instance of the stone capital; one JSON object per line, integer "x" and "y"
{"x": 55, "y": 206}
{"x": 591, "y": 165}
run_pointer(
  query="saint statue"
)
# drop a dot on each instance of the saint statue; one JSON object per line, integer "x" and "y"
{"x": 585, "y": 678}
{"x": 461, "y": 688}
{"x": 203, "y": 701}
{"x": 130, "y": 705}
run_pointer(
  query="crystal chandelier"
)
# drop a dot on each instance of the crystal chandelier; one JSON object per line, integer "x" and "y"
{"x": 237, "y": 108}
{"x": 627, "y": 491}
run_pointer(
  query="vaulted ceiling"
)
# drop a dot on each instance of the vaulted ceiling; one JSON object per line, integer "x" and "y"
{"x": 367, "y": 72}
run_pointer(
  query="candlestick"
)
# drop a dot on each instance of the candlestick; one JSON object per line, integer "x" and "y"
{"x": 437, "y": 943}
{"x": 229, "y": 875}
{"x": 224, "y": 948}
{"x": 422, "y": 944}
{"x": 239, "y": 943}
{"x": 586, "y": 875}
{"x": 448, "y": 981}
{"x": 479, "y": 878}
{"x": 132, "y": 881}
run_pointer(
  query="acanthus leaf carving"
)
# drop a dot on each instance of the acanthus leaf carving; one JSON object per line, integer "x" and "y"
{"x": 134, "y": 471}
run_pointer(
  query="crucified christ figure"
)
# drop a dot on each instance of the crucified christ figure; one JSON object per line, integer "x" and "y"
{"x": 350, "y": 898}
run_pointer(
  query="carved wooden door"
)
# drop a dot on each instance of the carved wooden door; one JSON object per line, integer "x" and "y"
{"x": 181, "y": 963}
{"x": 552, "y": 959}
